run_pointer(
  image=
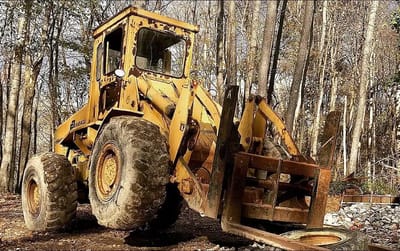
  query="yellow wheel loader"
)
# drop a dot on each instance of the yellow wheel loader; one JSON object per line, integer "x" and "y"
{"x": 150, "y": 136}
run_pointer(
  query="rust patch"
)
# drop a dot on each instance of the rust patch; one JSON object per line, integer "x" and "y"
{"x": 189, "y": 43}
{"x": 135, "y": 71}
{"x": 187, "y": 186}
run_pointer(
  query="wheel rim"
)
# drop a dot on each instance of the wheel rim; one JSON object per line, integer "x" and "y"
{"x": 318, "y": 238}
{"x": 33, "y": 192}
{"x": 108, "y": 172}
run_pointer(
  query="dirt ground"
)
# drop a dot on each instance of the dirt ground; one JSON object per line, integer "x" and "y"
{"x": 190, "y": 232}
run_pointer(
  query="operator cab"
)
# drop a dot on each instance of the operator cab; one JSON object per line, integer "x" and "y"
{"x": 146, "y": 49}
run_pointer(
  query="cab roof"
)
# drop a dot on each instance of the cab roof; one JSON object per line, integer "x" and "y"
{"x": 131, "y": 10}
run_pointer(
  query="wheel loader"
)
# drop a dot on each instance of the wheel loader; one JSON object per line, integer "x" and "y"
{"x": 150, "y": 137}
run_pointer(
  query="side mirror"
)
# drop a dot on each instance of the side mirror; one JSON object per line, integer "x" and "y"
{"x": 119, "y": 73}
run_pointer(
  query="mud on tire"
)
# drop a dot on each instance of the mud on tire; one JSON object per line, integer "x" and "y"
{"x": 128, "y": 173}
{"x": 49, "y": 192}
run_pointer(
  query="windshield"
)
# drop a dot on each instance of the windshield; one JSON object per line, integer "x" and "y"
{"x": 160, "y": 52}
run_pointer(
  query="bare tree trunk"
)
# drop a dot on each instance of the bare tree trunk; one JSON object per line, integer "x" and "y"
{"x": 345, "y": 136}
{"x": 220, "y": 52}
{"x": 252, "y": 50}
{"x": 300, "y": 64}
{"x": 274, "y": 65}
{"x": 3, "y": 82}
{"x": 334, "y": 78}
{"x": 301, "y": 131}
{"x": 6, "y": 94}
{"x": 396, "y": 129}
{"x": 371, "y": 137}
{"x": 55, "y": 87}
{"x": 231, "y": 69}
{"x": 53, "y": 70}
{"x": 8, "y": 88}
{"x": 157, "y": 7}
{"x": 31, "y": 76}
{"x": 269, "y": 31}
{"x": 32, "y": 70}
{"x": 35, "y": 120}
{"x": 321, "y": 65}
{"x": 194, "y": 11}
{"x": 355, "y": 143}
{"x": 50, "y": 82}
{"x": 1, "y": 114}
{"x": 8, "y": 161}
{"x": 300, "y": 106}
{"x": 141, "y": 4}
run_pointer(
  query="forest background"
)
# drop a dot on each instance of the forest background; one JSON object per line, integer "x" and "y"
{"x": 306, "y": 57}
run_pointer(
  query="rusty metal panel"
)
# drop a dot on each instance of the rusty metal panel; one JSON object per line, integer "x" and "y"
{"x": 253, "y": 194}
{"x": 190, "y": 188}
{"x": 319, "y": 198}
{"x": 223, "y": 151}
{"x": 287, "y": 166}
{"x": 268, "y": 184}
{"x": 369, "y": 198}
{"x": 268, "y": 238}
{"x": 328, "y": 139}
{"x": 275, "y": 189}
{"x": 283, "y": 214}
{"x": 234, "y": 195}
{"x": 232, "y": 213}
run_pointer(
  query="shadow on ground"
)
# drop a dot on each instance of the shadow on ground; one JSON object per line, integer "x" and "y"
{"x": 190, "y": 226}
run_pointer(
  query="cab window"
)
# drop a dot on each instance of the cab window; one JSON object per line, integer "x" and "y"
{"x": 113, "y": 51}
{"x": 160, "y": 52}
{"x": 99, "y": 59}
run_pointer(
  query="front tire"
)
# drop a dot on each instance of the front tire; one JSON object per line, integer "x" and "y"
{"x": 128, "y": 173}
{"x": 49, "y": 192}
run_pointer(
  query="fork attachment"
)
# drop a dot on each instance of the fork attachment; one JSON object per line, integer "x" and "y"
{"x": 239, "y": 204}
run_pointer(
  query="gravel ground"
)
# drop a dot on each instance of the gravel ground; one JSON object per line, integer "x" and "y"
{"x": 380, "y": 222}
{"x": 190, "y": 232}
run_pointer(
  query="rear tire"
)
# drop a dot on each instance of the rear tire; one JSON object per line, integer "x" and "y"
{"x": 128, "y": 173}
{"x": 49, "y": 192}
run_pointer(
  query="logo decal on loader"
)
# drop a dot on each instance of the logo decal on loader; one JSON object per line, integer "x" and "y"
{"x": 75, "y": 124}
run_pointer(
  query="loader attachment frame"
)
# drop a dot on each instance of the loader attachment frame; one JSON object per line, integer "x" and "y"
{"x": 235, "y": 209}
{"x": 231, "y": 188}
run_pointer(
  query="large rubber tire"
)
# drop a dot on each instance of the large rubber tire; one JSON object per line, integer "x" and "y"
{"x": 341, "y": 239}
{"x": 128, "y": 173}
{"x": 49, "y": 192}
